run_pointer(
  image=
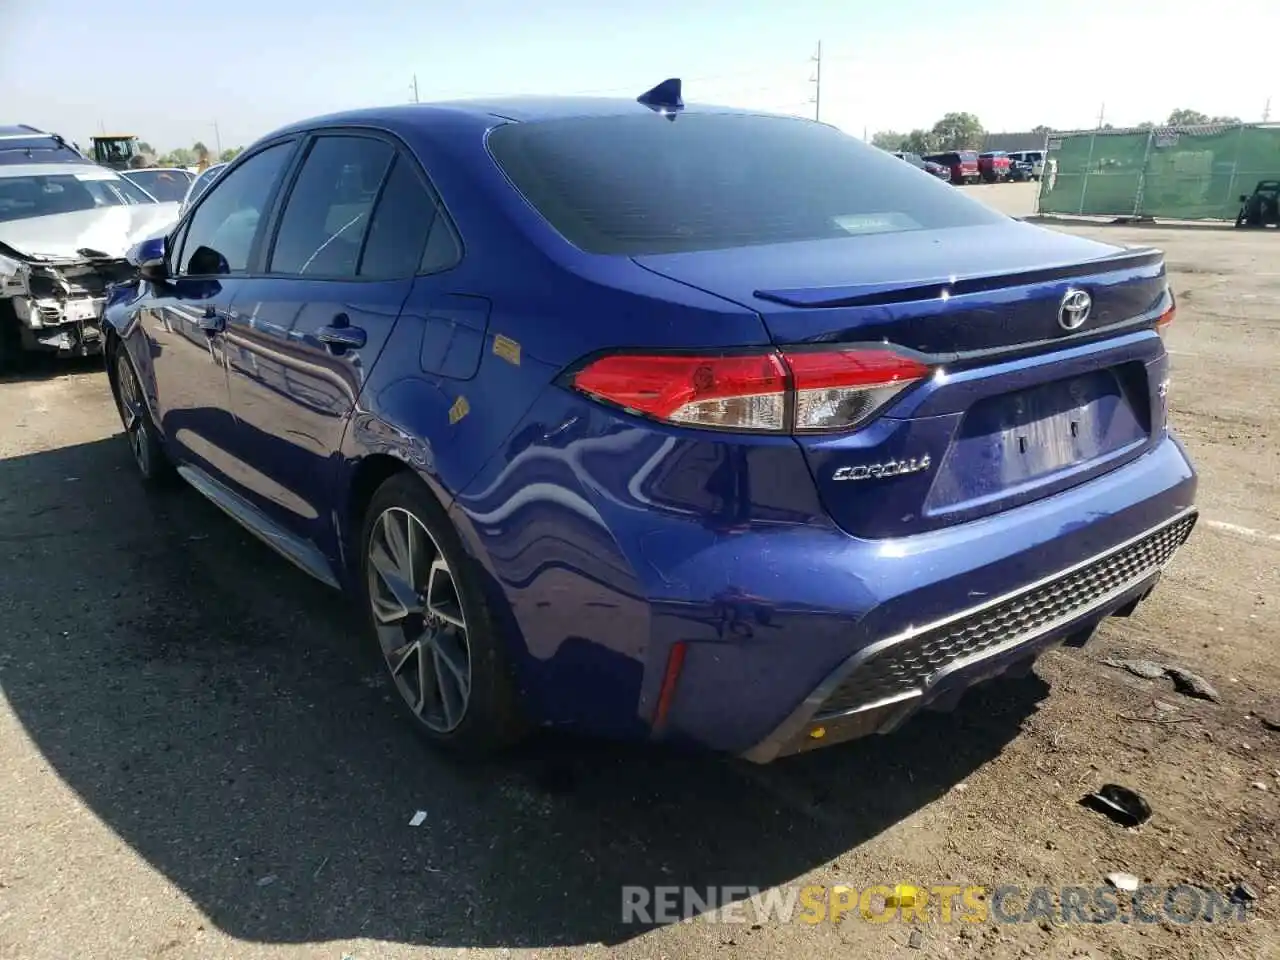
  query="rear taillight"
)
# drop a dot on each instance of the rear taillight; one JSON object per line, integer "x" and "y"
{"x": 741, "y": 393}
{"x": 840, "y": 389}
{"x": 1166, "y": 318}
{"x": 804, "y": 391}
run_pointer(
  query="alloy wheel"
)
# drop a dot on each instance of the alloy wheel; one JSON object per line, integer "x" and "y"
{"x": 132, "y": 412}
{"x": 417, "y": 611}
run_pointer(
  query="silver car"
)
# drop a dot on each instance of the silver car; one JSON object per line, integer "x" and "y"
{"x": 64, "y": 231}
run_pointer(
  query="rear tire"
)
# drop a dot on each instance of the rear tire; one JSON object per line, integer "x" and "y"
{"x": 429, "y": 625}
{"x": 140, "y": 431}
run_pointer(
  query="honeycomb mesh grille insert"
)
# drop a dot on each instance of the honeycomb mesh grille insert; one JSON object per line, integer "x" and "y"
{"x": 907, "y": 666}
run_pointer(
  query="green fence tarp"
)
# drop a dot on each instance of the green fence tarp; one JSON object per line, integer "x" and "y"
{"x": 1189, "y": 173}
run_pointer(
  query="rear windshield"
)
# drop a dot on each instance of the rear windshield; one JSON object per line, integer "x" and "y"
{"x": 640, "y": 184}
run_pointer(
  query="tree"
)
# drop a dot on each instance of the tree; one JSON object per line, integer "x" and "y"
{"x": 890, "y": 140}
{"x": 1186, "y": 118}
{"x": 959, "y": 131}
{"x": 1042, "y": 130}
{"x": 921, "y": 141}
{"x": 201, "y": 151}
{"x": 178, "y": 158}
{"x": 144, "y": 147}
{"x": 230, "y": 154}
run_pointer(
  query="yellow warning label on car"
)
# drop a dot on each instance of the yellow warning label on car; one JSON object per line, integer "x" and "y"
{"x": 459, "y": 409}
{"x": 507, "y": 349}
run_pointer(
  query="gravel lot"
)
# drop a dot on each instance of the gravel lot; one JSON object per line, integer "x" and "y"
{"x": 199, "y": 764}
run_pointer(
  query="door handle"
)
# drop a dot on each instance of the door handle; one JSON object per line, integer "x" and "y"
{"x": 212, "y": 322}
{"x": 341, "y": 335}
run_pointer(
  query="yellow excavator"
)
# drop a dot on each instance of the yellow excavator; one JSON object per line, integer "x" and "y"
{"x": 120, "y": 151}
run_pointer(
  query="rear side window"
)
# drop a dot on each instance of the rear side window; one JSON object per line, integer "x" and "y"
{"x": 638, "y": 184}
{"x": 328, "y": 211}
{"x": 400, "y": 227}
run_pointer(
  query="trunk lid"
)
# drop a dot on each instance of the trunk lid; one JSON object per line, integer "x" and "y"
{"x": 1021, "y": 407}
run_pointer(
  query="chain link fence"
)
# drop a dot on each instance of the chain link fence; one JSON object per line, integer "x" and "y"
{"x": 1176, "y": 173}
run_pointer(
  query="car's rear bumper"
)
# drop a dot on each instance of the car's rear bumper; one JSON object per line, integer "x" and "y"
{"x": 882, "y": 684}
{"x": 852, "y": 635}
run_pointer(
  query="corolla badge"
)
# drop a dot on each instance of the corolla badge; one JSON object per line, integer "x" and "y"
{"x": 890, "y": 468}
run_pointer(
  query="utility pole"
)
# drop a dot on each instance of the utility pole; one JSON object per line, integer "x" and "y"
{"x": 1102, "y": 112}
{"x": 415, "y": 88}
{"x": 816, "y": 80}
{"x": 217, "y": 140}
{"x": 1266, "y": 111}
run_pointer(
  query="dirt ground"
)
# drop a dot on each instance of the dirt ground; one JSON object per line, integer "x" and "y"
{"x": 198, "y": 764}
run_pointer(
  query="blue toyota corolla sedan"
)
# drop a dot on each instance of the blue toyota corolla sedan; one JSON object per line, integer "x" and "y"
{"x": 657, "y": 421}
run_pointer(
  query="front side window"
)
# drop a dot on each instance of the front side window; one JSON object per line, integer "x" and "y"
{"x": 220, "y": 236}
{"x": 200, "y": 185}
{"x": 327, "y": 215}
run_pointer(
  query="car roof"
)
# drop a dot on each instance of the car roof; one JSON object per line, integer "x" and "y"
{"x": 125, "y": 173}
{"x": 22, "y": 130}
{"x": 54, "y": 170}
{"x": 523, "y": 109}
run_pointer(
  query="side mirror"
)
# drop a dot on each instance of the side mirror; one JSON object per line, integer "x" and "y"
{"x": 149, "y": 257}
{"x": 1244, "y": 198}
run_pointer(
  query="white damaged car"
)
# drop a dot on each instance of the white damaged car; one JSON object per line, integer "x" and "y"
{"x": 64, "y": 232}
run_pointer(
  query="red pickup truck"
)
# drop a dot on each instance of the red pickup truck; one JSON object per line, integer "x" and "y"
{"x": 995, "y": 166}
{"x": 963, "y": 165}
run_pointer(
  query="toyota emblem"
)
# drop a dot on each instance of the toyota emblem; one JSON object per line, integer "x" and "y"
{"x": 1074, "y": 309}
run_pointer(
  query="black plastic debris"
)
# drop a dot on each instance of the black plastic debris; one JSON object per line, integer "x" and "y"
{"x": 1243, "y": 893}
{"x": 1121, "y": 804}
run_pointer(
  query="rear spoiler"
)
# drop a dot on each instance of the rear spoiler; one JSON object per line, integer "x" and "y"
{"x": 877, "y": 294}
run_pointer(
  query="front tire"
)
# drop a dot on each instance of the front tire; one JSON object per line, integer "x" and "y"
{"x": 144, "y": 439}
{"x": 429, "y": 623}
